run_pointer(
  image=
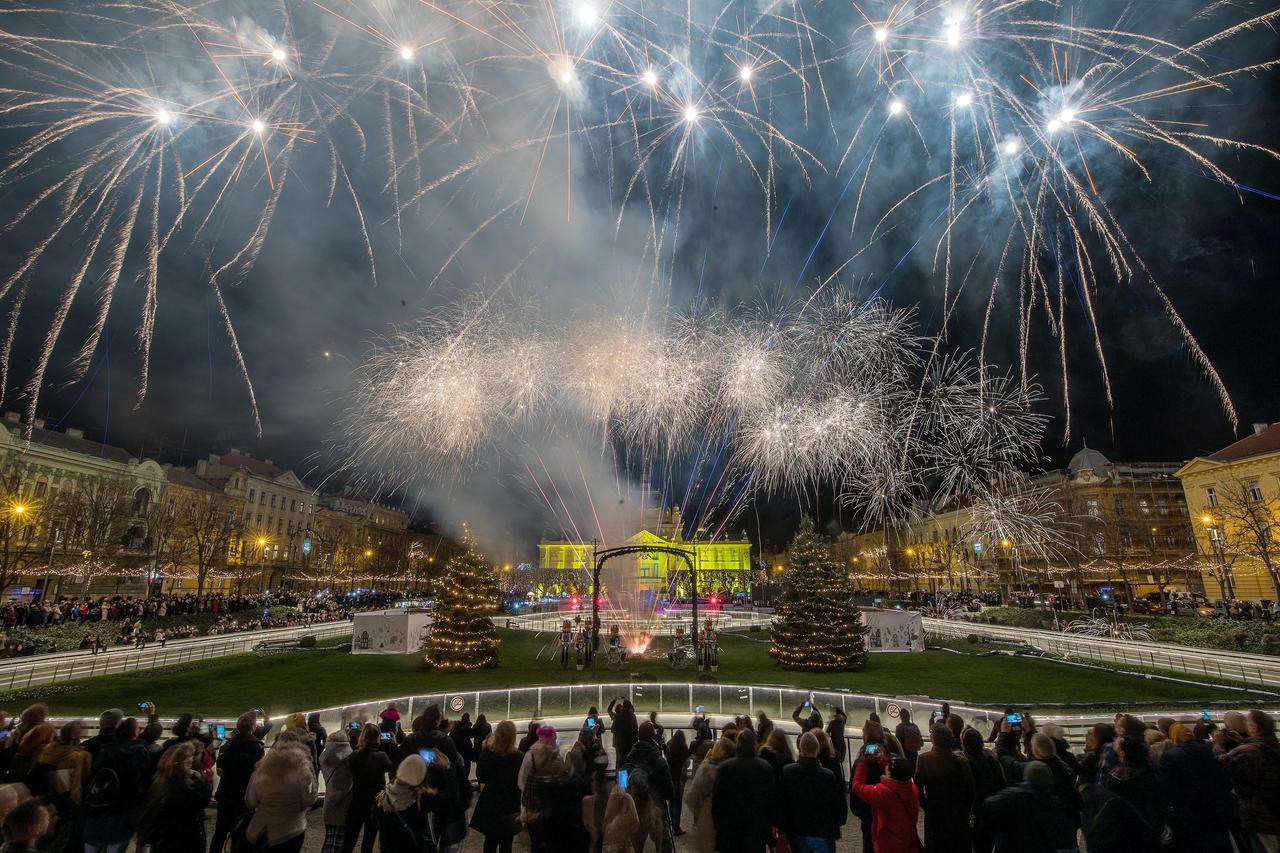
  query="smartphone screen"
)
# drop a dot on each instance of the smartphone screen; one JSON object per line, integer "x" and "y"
{"x": 1014, "y": 719}
{"x": 591, "y": 722}
{"x": 428, "y": 755}
{"x": 1204, "y": 714}
{"x": 624, "y": 778}
{"x": 385, "y": 737}
{"x": 808, "y": 704}
{"x": 221, "y": 732}
{"x": 872, "y": 748}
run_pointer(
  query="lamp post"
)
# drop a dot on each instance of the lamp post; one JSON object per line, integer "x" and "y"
{"x": 262, "y": 560}
{"x": 1215, "y": 540}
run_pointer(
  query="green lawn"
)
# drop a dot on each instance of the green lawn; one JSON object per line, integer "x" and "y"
{"x": 299, "y": 680}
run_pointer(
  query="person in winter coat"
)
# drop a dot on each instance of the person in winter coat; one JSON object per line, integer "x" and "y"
{"x": 744, "y": 799}
{"x": 811, "y": 804}
{"x": 624, "y": 727}
{"x": 609, "y": 814}
{"x": 530, "y": 737}
{"x": 1255, "y": 773}
{"x": 281, "y": 791}
{"x": 30, "y": 746}
{"x": 1197, "y": 788}
{"x": 479, "y": 734}
{"x": 1134, "y": 782}
{"x": 336, "y": 771}
{"x": 541, "y": 777}
{"x": 1027, "y": 817}
{"x": 173, "y": 819}
{"x": 107, "y": 722}
{"x": 61, "y": 772}
{"x": 112, "y": 798}
{"x": 988, "y": 778}
{"x": 369, "y": 768}
{"x": 697, "y": 797}
{"x": 777, "y": 751}
{"x": 497, "y": 812}
{"x": 462, "y": 734}
{"x": 584, "y": 753}
{"x": 1110, "y": 824}
{"x": 403, "y": 806}
{"x": 894, "y": 801}
{"x": 1064, "y": 779}
{"x": 650, "y": 787}
{"x": 677, "y": 753}
{"x": 319, "y": 735}
{"x": 946, "y": 786}
{"x": 236, "y": 760}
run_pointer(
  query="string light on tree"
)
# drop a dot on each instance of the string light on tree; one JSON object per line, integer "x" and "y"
{"x": 462, "y": 632}
{"x": 817, "y": 626}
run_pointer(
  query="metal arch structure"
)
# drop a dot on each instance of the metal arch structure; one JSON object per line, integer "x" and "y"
{"x": 687, "y": 554}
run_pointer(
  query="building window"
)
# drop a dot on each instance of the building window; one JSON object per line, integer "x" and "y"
{"x": 1120, "y": 507}
{"x": 42, "y": 486}
{"x": 1255, "y": 492}
{"x": 1091, "y": 506}
{"x": 262, "y": 497}
{"x": 253, "y": 493}
{"x": 273, "y": 501}
{"x": 168, "y": 508}
{"x": 293, "y": 505}
{"x": 1143, "y": 507}
{"x": 1099, "y": 544}
{"x": 1212, "y": 494}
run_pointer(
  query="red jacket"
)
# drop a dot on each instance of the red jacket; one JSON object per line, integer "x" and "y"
{"x": 896, "y": 809}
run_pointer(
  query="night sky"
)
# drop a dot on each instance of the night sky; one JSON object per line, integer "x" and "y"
{"x": 1215, "y": 251}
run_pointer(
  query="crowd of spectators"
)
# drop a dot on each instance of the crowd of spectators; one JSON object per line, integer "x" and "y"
{"x": 123, "y": 620}
{"x": 1136, "y": 787}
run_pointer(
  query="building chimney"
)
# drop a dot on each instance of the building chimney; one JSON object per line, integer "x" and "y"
{"x": 75, "y": 433}
{"x": 1259, "y": 429}
{"x": 201, "y": 467}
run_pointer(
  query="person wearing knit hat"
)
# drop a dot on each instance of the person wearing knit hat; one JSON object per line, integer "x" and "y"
{"x": 401, "y": 820}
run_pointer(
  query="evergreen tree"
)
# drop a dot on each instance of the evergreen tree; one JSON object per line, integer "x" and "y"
{"x": 817, "y": 625}
{"x": 462, "y": 632}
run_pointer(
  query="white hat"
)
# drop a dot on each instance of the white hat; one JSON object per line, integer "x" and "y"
{"x": 412, "y": 771}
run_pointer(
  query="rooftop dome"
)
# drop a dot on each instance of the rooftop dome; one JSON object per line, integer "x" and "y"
{"x": 1089, "y": 458}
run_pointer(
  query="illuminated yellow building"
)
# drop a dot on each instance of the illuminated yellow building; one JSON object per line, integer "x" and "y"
{"x": 723, "y": 565}
{"x": 1234, "y": 497}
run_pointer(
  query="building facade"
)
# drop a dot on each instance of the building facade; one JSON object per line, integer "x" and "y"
{"x": 724, "y": 565}
{"x": 75, "y": 513}
{"x": 1094, "y": 526}
{"x": 1234, "y": 498}
{"x": 82, "y": 517}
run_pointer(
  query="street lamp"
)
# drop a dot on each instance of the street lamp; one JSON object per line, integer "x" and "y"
{"x": 262, "y": 560}
{"x": 1215, "y": 539}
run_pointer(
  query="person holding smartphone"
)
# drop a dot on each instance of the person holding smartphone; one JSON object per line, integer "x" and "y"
{"x": 237, "y": 758}
{"x": 370, "y": 765}
{"x": 894, "y": 800}
{"x": 609, "y": 814}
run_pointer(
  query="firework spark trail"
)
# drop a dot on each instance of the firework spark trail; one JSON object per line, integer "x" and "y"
{"x": 840, "y": 384}
{"x": 1022, "y": 116}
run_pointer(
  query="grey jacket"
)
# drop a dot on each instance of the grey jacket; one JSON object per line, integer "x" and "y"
{"x": 337, "y": 781}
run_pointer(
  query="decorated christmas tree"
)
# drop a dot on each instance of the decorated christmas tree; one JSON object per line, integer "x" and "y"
{"x": 462, "y": 633}
{"x": 817, "y": 625}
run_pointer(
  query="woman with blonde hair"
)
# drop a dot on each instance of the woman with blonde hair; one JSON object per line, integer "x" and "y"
{"x": 281, "y": 791}
{"x": 609, "y": 814}
{"x": 697, "y": 796}
{"x": 173, "y": 818}
{"x": 497, "y": 812}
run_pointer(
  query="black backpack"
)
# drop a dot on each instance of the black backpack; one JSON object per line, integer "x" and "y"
{"x": 104, "y": 793}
